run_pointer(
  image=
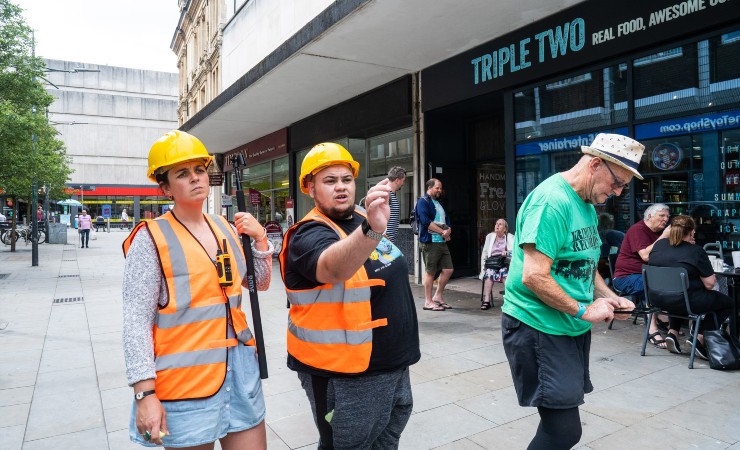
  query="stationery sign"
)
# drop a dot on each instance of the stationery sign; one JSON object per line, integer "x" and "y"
{"x": 583, "y": 34}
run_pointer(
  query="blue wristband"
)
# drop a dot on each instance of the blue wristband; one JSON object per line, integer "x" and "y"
{"x": 581, "y": 311}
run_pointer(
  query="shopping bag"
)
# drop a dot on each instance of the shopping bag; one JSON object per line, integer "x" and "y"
{"x": 723, "y": 350}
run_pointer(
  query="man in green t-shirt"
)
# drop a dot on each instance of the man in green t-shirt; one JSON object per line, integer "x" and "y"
{"x": 554, "y": 291}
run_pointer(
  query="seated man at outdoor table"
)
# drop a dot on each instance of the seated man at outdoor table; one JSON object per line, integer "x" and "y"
{"x": 635, "y": 250}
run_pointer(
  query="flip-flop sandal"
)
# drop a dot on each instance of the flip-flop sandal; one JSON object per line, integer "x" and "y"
{"x": 433, "y": 308}
{"x": 657, "y": 341}
{"x": 443, "y": 305}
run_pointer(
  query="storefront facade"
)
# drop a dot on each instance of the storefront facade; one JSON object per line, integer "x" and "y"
{"x": 265, "y": 179}
{"x": 376, "y": 128}
{"x": 517, "y": 109}
{"x": 140, "y": 203}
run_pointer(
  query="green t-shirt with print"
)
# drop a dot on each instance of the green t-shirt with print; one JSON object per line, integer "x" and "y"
{"x": 564, "y": 227}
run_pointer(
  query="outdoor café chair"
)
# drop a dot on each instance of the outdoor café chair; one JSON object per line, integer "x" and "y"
{"x": 667, "y": 281}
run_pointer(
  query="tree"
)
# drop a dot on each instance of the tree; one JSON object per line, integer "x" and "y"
{"x": 29, "y": 150}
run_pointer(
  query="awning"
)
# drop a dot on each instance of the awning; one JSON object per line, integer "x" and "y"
{"x": 348, "y": 51}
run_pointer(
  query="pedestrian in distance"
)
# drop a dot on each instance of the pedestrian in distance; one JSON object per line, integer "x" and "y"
{"x": 434, "y": 233}
{"x": 554, "y": 292}
{"x": 84, "y": 223}
{"x": 352, "y": 326}
{"x": 190, "y": 355}
{"x": 124, "y": 219}
{"x": 396, "y": 178}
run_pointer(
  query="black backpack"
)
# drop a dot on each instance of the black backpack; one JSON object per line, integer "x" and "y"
{"x": 414, "y": 222}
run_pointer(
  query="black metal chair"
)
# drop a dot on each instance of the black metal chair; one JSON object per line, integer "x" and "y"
{"x": 667, "y": 281}
{"x": 639, "y": 308}
{"x": 714, "y": 248}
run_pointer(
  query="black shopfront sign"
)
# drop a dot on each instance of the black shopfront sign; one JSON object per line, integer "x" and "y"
{"x": 591, "y": 31}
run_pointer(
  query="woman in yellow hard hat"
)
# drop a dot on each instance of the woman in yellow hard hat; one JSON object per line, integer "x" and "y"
{"x": 190, "y": 356}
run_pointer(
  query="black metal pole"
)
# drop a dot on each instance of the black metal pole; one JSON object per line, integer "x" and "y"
{"x": 34, "y": 185}
{"x": 237, "y": 163}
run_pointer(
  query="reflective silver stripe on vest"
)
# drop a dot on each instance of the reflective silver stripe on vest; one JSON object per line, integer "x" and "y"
{"x": 337, "y": 294}
{"x": 179, "y": 265}
{"x": 191, "y": 315}
{"x": 330, "y": 336}
{"x": 235, "y": 301}
{"x": 245, "y": 336}
{"x": 189, "y": 359}
{"x": 234, "y": 246}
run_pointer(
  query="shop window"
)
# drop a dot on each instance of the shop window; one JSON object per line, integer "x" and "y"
{"x": 724, "y": 72}
{"x": 257, "y": 177}
{"x": 667, "y": 82}
{"x": 303, "y": 203}
{"x": 393, "y": 149}
{"x": 280, "y": 177}
{"x": 673, "y": 174}
{"x": 582, "y": 101}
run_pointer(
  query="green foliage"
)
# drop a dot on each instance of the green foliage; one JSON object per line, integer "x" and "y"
{"x": 29, "y": 149}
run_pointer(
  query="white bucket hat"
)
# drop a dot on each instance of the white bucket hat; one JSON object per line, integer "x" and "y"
{"x": 618, "y": 149}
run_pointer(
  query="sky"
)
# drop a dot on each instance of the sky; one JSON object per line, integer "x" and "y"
{"x": 125, "y": 33}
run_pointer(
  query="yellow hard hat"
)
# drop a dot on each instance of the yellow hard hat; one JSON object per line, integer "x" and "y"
{"x": 322, "y": 156}
{"x": 173, "y": 148}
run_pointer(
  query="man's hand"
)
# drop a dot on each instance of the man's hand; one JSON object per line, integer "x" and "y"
{"x": 377, "y": 206}
{"x": 624, "y": 306}
{"x": 601, "y": 310}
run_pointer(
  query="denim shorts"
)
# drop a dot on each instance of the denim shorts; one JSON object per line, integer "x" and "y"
{"x": 548, "y": 370}
{"x": 239, "y": 405}
{"x": 631, "y": 285}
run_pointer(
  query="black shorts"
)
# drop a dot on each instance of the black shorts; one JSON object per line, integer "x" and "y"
{"x": 548, "y": 370}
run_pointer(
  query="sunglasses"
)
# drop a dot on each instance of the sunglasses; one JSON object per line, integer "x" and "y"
{"x": 617, "y": 184}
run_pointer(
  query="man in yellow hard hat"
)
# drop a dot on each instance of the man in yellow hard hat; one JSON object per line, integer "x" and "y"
{"x": 352, "y": 327}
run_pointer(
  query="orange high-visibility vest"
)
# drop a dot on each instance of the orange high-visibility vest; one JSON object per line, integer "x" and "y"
{"x": 330, "y": 326}
{"x": 190, "y": 332}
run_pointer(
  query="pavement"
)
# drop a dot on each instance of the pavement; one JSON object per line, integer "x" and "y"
{"x": 63, "y": 383}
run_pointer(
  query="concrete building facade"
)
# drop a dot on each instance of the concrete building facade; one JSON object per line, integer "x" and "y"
{"x": 108, "y": 120}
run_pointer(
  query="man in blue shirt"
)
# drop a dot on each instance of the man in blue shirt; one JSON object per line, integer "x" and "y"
{"x": 434, "y": 233}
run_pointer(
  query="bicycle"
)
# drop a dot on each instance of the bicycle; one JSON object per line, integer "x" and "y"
{"x": 23, "y": 231}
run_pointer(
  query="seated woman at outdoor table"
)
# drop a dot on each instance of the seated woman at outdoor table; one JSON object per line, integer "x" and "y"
{"x": 498, "y": 242}
{"x": 679, "y": 250}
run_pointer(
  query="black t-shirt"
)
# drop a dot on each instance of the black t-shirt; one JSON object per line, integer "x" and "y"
{"x": 395, "y": 345}
{"x": 689, "y": 256}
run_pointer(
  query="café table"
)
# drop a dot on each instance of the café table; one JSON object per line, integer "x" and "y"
{"x": 731, "y": 276}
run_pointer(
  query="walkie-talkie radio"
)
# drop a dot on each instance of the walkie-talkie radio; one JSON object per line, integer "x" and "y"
{"x": 223, "y": 265}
